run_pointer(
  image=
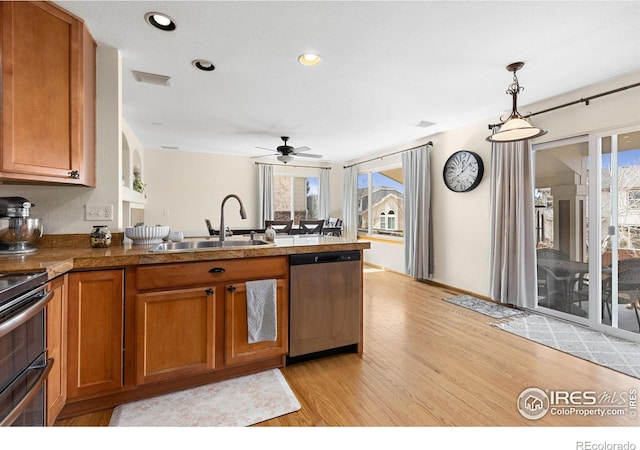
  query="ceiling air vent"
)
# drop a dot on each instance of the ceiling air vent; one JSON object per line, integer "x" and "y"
{"x": 151, "y": 78}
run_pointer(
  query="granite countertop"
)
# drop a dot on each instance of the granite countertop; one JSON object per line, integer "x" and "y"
{"x": 60, "y": 255}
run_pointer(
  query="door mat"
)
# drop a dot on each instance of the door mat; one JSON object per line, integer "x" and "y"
{"x": 600, "y": 348}
{"x": 485, "y": 307}
{"x": 237, "y": 402}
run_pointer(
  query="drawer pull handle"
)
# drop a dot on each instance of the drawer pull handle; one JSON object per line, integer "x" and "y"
{"x": 217, "y": 270}
{"x": 209, "y": 291}
{"x": 231, "y": 289}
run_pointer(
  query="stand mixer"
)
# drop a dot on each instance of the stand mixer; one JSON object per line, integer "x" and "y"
{"x": 18, "y": 232}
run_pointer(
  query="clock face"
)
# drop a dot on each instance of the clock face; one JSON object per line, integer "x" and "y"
{"x": 463, "y": 171}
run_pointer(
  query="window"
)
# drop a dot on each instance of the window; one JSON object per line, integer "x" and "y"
{"x": 295, "y": 197}
{"x": 381, "y": 202}
{"x": 383, "y": 221}
{"x": 391, "y": 220}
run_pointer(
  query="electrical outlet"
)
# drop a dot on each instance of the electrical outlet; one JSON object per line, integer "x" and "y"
{"x": 98, "y": 212}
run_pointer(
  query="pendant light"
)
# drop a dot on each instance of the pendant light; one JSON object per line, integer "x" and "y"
{"x": 516, "y": 127}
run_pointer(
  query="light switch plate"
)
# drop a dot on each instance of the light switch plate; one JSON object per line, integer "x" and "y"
{"x": 98, "y": 212}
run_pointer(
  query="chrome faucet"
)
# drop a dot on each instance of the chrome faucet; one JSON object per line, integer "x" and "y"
{"x": 243, "y": 214}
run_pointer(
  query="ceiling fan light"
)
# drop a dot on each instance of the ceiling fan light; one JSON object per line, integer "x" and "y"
{"x": 516, "y": 129}
{"x": 285, "y": 158}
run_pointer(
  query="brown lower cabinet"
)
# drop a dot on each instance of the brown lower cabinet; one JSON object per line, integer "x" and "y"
{"x": 56, "y": 348}
{"x": 95, "y": 333}
{"x": 175, "y": 333}
{"x": 169, "y": 327}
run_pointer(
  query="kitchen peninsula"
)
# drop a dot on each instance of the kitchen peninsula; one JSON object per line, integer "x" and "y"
{"x": 137, "y": 323}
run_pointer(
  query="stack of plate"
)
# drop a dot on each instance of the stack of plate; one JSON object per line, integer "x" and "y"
{"x": 146, "y": 235}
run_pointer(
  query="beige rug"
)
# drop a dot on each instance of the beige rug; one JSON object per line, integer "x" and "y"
{"x": 237, "y": 402}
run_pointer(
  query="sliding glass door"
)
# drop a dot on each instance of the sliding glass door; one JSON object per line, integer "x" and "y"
{"x": 587, "y": 200}
{"x": 619, "y": 237}
{"x": 562, "y": 227}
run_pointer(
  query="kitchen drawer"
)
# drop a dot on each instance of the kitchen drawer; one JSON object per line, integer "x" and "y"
{"x": 210, "y": 272}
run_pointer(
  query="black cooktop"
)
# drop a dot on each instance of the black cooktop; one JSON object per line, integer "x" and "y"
{"x": 15, "y": 284}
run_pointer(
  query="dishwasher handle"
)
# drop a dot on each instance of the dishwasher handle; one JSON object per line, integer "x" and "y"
{"x": 324, "y": 257}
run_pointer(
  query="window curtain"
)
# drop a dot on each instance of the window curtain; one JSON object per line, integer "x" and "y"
{"x": 512, "y": 263}
{"x": 324, "y": 195}
{"x": 418, "y": 229}
{"x": 350, "y": 211}
{"x": 265, "y": 193}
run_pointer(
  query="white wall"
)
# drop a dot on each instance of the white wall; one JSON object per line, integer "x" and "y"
{"x": 184, "y": 188}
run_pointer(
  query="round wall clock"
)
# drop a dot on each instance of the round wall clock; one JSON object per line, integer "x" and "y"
{"x": 463, "y": 171}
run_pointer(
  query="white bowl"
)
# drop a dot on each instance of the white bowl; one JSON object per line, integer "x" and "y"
{"x": 145, "y": 235}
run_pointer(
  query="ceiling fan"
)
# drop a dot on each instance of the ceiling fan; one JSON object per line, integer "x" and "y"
{"x": 286, "y": 152}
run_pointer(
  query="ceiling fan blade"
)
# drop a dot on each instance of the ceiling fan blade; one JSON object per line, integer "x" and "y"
{"x": 307, "y": 155}
{"x": 262, "y": 156}
{"x": 267, "y": 149}
{"x": 301, "y": 149}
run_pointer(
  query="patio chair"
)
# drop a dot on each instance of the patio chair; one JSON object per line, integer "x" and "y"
{"x": 628, "y": 290}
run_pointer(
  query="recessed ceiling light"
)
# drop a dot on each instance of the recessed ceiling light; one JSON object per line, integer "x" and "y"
{"x": 309, "y": 59}
{"x": 160, "y": 21}
{"x": 203, "y": 64}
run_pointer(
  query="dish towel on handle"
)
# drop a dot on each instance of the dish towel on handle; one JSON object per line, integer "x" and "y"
{"x": 261, "y": 310}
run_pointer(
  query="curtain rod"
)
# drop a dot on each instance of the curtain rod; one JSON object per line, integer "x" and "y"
{"x": 582, "y": 100}
{"x": 390, "y": 154}
{"x": 292, "y": 165}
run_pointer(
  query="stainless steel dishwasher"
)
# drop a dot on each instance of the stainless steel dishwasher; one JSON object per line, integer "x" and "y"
{"x": 325, "y": 294}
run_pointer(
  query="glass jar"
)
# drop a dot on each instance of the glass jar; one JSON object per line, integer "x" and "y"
{"x": 100, "y": 236}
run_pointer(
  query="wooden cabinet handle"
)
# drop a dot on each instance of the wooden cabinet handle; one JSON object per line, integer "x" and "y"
{"x": 209, "y": 291}
{"x": 231, "y": 288}
{"x": 74, "y": 174}
{"x": 217, "y": 270}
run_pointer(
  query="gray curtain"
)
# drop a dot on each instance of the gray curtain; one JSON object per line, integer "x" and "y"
{"x": 265, "y": 193}
{"x": 350, "y": 209}
{"x": 512, "y": 265}
{"x": 418, "y": 229}
{"x": 324, "y": 194}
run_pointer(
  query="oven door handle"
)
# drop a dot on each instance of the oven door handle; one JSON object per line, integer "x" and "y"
{"x": 22, "y": 405}
{"x": 21, "y": 318}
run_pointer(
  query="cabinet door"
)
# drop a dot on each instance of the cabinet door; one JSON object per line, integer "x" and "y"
{"x": 238, "y": 350}
{"x": 95, "y": 333}
{"x": 174, "y": 334}
{"x": 56, "y": 349}
{"x": 48, "y": 95}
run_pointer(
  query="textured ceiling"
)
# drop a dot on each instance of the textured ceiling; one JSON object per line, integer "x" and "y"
{"x": 386, "y": 67}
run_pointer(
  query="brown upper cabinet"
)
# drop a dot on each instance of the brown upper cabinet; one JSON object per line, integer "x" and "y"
{"x": 48, "y": 95}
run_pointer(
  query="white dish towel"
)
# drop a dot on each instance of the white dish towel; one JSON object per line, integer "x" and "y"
{"x": 261, "y": 310}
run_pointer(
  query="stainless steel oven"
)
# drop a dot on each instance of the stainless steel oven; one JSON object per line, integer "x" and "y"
{"x": 23, "y": 360}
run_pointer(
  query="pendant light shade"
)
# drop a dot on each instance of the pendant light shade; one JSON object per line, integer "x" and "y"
{"x": 516, "y": 127}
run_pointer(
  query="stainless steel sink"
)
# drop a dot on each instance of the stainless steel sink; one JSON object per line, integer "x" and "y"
{"x": 186, "y": 246}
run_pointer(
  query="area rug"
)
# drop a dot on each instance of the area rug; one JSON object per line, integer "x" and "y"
{"x": 483, "y": 306}
{"x": 609, "y": 351}
{"x": 237, "y": 402}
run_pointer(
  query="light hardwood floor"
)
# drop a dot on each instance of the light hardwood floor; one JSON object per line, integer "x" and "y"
{"x": 427, "y": 362}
